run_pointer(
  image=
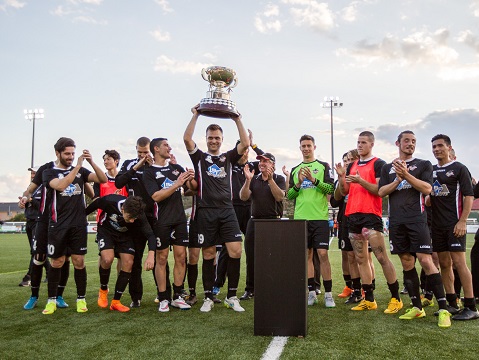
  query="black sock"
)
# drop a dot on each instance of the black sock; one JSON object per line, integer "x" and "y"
{"x": 394, "y": 289}
{"x": 374, "y": 284}
{"x": 328, "y": 285}
{"x": 121, "y": 283}
{"x": 162, "y": 295}
{"x": 63, "y": 278}
{"x": 356, "y": 286}
{"x": 411, "y": 281}
{"x": 80, "y": 281}
{"x": 347, "y": 280}
{"x": 457, "y": 283}
{"x": 104, "y": 277}
{"x": 369, "y": 292}
{"x": 233, "y": 272}
{"x": 176, "y": 291}
{"x": 208, "y": 277}
{"x": 422, "y": 279}
{"x": 192, "y": 278}
{"x": 434, "y": 285}
{"x": 470, "y": 303}
{"x": 310, "y": 284}
{"x": 452, "y": 300}
{"x": 53, "y": 279}
{"x": 36, "y": 279}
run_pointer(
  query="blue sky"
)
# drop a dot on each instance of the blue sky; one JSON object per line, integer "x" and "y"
{"x": 107, "y": 72}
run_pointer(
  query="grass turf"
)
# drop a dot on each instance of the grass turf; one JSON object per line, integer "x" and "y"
{"x": 332, "y": 333}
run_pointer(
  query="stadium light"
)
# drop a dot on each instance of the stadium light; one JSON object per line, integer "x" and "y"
{"x": 33, "y": 115}
{"x": 332, "y": 102}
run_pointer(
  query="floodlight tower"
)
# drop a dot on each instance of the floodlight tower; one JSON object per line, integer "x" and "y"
{"x": 331, "y": 102}
{"x": 33, "y": 115}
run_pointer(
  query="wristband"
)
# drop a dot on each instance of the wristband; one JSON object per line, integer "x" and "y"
{"x": 296, "y": 188}
{"x": 316, "y": 182}
{"x": 254, "y": 146}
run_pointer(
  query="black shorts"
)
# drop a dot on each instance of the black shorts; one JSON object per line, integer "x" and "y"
{"x": 357, "y": 222}
{"x": 67, "y": 240}
{"x": 409, "y": 238}
{"x": 40, "y": 239}
{"x": 122, "y": 243}
{"x": 217, "y": 226}
{"x": 166, "y": 235}
{"x": 193, "y": 235}
{"x": 344, "y": 243}
{"x": 443, "y": 239}
{"x": 318, "y": 234}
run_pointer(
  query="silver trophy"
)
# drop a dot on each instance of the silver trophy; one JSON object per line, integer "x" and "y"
{"x": 217, "y": 102}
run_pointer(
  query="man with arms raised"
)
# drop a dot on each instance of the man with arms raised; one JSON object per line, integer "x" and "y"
{"x": 67, "y": 228}
{"x": 364, "y": 212}
{"x": 407, "y": 181}
{"x": 215, "y": 216}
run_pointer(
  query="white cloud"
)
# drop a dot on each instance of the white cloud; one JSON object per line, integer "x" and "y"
{"x": 79, "y": 11}
{"x": 312, "y": 14}
{"x": 89, "y": 19}
{"x": 165, "y": 5}
{"x": 266, "y": 21}
{"x": 420, "y": 47}
{"x": 475, "y": 8}
{"x": 90, "y": 2}
{"x": 210, "y": 56}
{"x": 350, "y": 12}
{"x": 160, "y": 35}
{"x": 460, "y": 72}
{"x": 11, "y": 4}
{"x": 165, "y": 64}
{"x": 11, "y": 186}
{"x": 468, "y": 38}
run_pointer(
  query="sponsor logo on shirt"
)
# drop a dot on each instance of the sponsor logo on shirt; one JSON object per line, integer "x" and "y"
{"x": 114, "y": 222}
{"x": 216, "y": 172}
{"x": 167, "y": 183}
{"x": 440, "y": 189}
{"x": 424, "y": 247}
{"x": 307, "y": 184}
{"x": 403, "y": 185}
{"x": 72, "y": 189}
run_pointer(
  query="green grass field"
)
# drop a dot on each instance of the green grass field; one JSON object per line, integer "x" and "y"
{"x": 223, "y": 334}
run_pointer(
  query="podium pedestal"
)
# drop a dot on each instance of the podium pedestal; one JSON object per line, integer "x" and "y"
{"x": 280, "y": 290}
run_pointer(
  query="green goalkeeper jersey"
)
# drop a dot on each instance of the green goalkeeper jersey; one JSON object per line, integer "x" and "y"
{"x": 311, "y": 202}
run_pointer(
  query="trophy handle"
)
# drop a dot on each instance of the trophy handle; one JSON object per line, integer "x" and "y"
{"x": 204, "y": 75}
{"x": 235, "y": 82}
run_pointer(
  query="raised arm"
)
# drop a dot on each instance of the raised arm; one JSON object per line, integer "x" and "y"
{"x": 190, "y": 129}
{"x": 243, "y": 135}
{"x": 99, "y": 176}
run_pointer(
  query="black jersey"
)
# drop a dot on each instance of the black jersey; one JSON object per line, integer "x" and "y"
{"x": 133, "y": 181}
{"x": 112, "y": 218}
{"x": 67, "y": 206}
{"x": 155, "y": 178}
{"x": 451, "y": 182}
{"x": 45, "y": 200}
{"x": 32, "y": 208}
{"x": 264, "y": 205}
{"x": 213, "y": 174}
{"x": 406, "y": 204}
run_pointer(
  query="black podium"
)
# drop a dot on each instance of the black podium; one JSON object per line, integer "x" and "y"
{"x": 280, "y": 281}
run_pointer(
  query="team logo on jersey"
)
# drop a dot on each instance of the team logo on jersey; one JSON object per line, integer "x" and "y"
{"x": 175, "y": 172}
{"x": 392, "y": 171}
{"x": 72, "y": 189}
{"x": 114, "y": 221}
{"x": 216, "y": 172}
{"x": 78, "y": 175}
{"x": 450, "y": 173}
{"x": 159, "y": 175}
{"x": 60, "y": 176}
{"x": 307, "y": 184}
{"x": 315, "y": 171}
{"x": 440, "y": 189}
{"x": 222, "y": 158}
{"x": 411, "y": 168}
{"x": 167, "y": 183}
{"x": 208, "y": 159}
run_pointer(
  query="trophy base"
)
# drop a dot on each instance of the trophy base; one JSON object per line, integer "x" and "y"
{"x": 217, "y": 108}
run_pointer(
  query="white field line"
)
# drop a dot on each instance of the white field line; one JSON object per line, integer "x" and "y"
{"x": 275, "y": 348}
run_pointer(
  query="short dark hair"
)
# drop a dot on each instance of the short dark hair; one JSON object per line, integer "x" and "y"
{"x": 143, "y": 141}
{"x": 63, "y": 143}
{"x": 156, "y": 142}
{"x": 344, "y": 155}
{"x": 404, "y": 132}
{"x": 115, "y": 155}
{"x": 214, "y": 127}
{"x": 446, "y": 138}
{"x": 369, "y": 134}
{"x": 134, "y": 206}
{"x": 306, "y": 137}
